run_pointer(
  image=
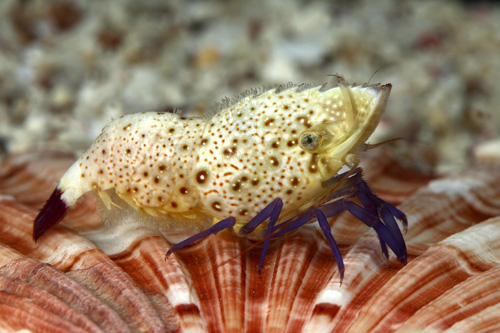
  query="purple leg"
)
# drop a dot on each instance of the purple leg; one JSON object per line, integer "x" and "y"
{"x": 292, "y": 224}
{"x": 271, "y": 212}
{"x": 382, "y": 230}
{"x": 329, "y": 210}
{"x": 334, "y": 208}
{"x": 277, "y": 206}
{"x": 383, "y": 246}
{"x": 373, "y": 211}
{"x": 327, "y": 232}
{"x": 393, "y": 227}
{"x": 385, "y": 215}
{"x": 221, "y": 225}
{"x": 261, "y": 217}
{"x": 397, "y": 214}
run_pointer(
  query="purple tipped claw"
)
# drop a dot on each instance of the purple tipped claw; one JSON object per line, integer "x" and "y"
{"x": 385, "y": 234}
{"x": 397, "y": 214}
{"x": 385, "y": 223}
{"x": 392, "y": 225}
{"x": 374, "y": 212}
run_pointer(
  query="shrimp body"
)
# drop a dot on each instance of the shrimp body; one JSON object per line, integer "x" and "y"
{"x": 276, "y": 144}
{"x": 147, "y": 158}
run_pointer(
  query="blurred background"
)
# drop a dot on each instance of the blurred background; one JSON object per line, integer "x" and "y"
{"x": 69, "y": 67}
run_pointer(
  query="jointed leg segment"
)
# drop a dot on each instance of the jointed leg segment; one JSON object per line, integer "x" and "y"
{"x": 219, "y": 226}
{"x": 373, "y": 211}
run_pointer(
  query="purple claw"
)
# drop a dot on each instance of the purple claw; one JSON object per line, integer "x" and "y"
{"x": 392, "y": 225}
{"x": 374, "y": 212}
{"x": 397, "y": 214}
{"x": 52, "y": 212}
{"x": 349, "y": 188}
{"x": 219, "y": 226}
{"x": 382, "y": 230}
{"x": 383, "y": 246}
{"x": 327, "y": 232}
{"x": 352, "y": 179}
{"x": 387, "y": 214}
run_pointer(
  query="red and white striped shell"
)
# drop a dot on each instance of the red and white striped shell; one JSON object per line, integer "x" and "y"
{"x": 85, "y": 276}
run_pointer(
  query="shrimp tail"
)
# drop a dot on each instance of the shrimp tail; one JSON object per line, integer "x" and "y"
{"x": 52, "y": 212}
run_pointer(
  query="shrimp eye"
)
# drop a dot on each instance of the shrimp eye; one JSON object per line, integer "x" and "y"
{"x": 310, "y": 140}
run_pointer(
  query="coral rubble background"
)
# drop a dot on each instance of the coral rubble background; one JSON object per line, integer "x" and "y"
{"x": 69, "y": 67}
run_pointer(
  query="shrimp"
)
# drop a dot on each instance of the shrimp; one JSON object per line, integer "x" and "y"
{"x": 264, "y": 164}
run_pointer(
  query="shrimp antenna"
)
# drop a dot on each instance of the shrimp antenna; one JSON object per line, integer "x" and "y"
{"x": 371, "y": 77}
{"x": 369, "y": 146}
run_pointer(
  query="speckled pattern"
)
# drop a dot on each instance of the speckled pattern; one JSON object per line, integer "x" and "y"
{"x": 281, "y": 143}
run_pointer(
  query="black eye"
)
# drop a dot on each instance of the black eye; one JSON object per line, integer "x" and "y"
{"x": 310, "y": 140}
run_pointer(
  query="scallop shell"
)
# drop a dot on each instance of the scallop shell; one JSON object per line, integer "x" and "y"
{"x": 86, "y": 276}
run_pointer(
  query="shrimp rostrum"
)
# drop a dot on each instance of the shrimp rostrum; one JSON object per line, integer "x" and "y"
{"x": 264, "y": 164}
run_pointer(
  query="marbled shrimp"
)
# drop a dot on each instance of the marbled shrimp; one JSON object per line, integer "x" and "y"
{"x": 264, "y": 164}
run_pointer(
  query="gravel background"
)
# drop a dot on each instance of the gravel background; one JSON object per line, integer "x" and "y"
{"x": 69, "y": 67}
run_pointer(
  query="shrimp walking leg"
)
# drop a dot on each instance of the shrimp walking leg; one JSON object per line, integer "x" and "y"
{"x": 277, "y": 206}
{"x": 373, "y": 211}
{"x": 327, "y": 232}
{"x": 386, "y": 235}
{"x": 271, "y": 211}
{"x": 219, "y": 226}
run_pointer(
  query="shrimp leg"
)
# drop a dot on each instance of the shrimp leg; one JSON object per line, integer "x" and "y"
{"x": 373, "y": 211}
{"x": 271, "y": 211}
{"x": 219, "y": 226}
